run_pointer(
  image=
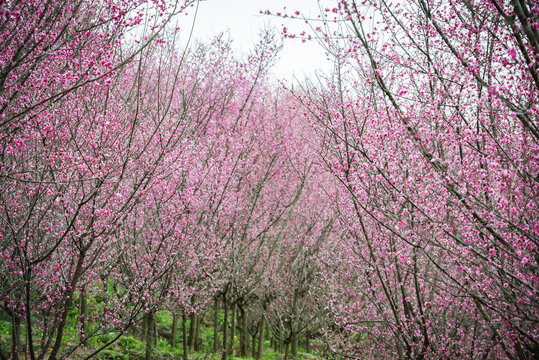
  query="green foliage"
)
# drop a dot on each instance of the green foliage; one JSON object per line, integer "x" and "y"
{"x": 270, "y": 355}
{"x": 163, "y": 318}
{"x": 129, "y": 342}
{"x": 5, "y": 333}
{"x": 129, "y": 346}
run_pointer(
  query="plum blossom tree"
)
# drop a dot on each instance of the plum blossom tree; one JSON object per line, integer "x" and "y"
{"x": 391, "y": 209}
{"x": 75, "y": 158}
{"x": 430, "y": 124}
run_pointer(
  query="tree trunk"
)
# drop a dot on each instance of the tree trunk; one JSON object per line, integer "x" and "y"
{"x": 286, "y": 347}
{"x": 244, "y": 336}
{"x": 215, "y": 325}
{"x": 155, "y": 333}
{"x": 293, "y": 329}
{"x": 184, "y": 335}
{"x": 149, "y": 334}
{"x": 67, "y": 302}
{"x": 197, "y": 331}
{"x": 261, "y": 338}
{"x": 192, "y": 325}
{"x": 144, "y": 328}
{"x": 232, "y": 330}
{"x": 253, "y": 345}
{"x": 225, "y": 331}
{"x": 174, "y": 329}
{"x": 15, "y": 334}
{"x": 83, "y": 312}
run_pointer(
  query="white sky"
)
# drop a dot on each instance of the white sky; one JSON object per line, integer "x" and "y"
{"x": 243, "y": 21}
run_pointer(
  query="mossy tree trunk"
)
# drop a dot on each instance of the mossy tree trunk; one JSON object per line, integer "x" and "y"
{"x": 144, "y": 328}
{"x": 294, "y": 348}
{"x": 215, "y": 324}
{"x": 197, "y": 331}
{"x": 225, "y": 330}
{"x": 184, "y": 335}
{"x": 232, "y": 329}
{"x": 15, "y": 334}
{"x": 192, "y": 326}
{"x": 244, "y": 335}
{"x": 253, "y": 345}
{"x": 286, "y": 349}
{"x": 174, "y": 329}
{"x": 261, "y": 338}
{"x": 149, "y": 334}
{"x": 155, "y": 333}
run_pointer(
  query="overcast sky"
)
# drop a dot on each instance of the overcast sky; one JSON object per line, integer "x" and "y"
{"x": 243, "y": 21}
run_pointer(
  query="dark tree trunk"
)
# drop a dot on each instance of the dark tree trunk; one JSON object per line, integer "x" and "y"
{"x": 184, "y": 335}
{"x": 215, "y": 325}
{"x": 174, "y": 329}
{"x": 225, "y": 332}
{"x": 197, "y": 331}
{"x": 67, "y": 302}
{"x": 144, "y": 328}
{"x": 253, "y": 345}
{"x": 294, "y": 346}
{"x": 261, "y": 338}
{"x": 293, "y": 329}
{"x": 244, "y": 336}
{"x": 286, "y": 347}
{"x": 15, "y": 334}
{"x": 83, "y": 312}
{"x": 192, "y": 326}
{"x": 232, "y": 330}
{"x": 155, "y": 333}
{"x": 28, "y": 310}
{"x": 149, "y": 335}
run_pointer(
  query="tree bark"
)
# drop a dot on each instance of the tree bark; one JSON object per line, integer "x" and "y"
{"x": 225, "y": 331}
{"x": 144, "y": 328}
{"x": 232, "y": 330}
{"x": 28, "y": 309}
{"x": 67, "y": 301}
{"x": 155, "y": 333}
{"x": 174, "y": 329}
{"x": 83, "y": 312}
{"x": 286, "y": 347}
{"x": 215, "y": 325}
{"x": 244, "y": 336}
{"x": 149, "y": 335}
{"x": 253, "y": 345}
{"x": 192, "y": 326}
{"x": 15, "y": 334}
{"x": 184, "y": 335}
{"x": 261, "y": 338}
{"x": 293, "y": 329}
{"x": 197, "y": 331}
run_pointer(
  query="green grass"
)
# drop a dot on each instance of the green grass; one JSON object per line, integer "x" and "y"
{"x": 132, "y": 347}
